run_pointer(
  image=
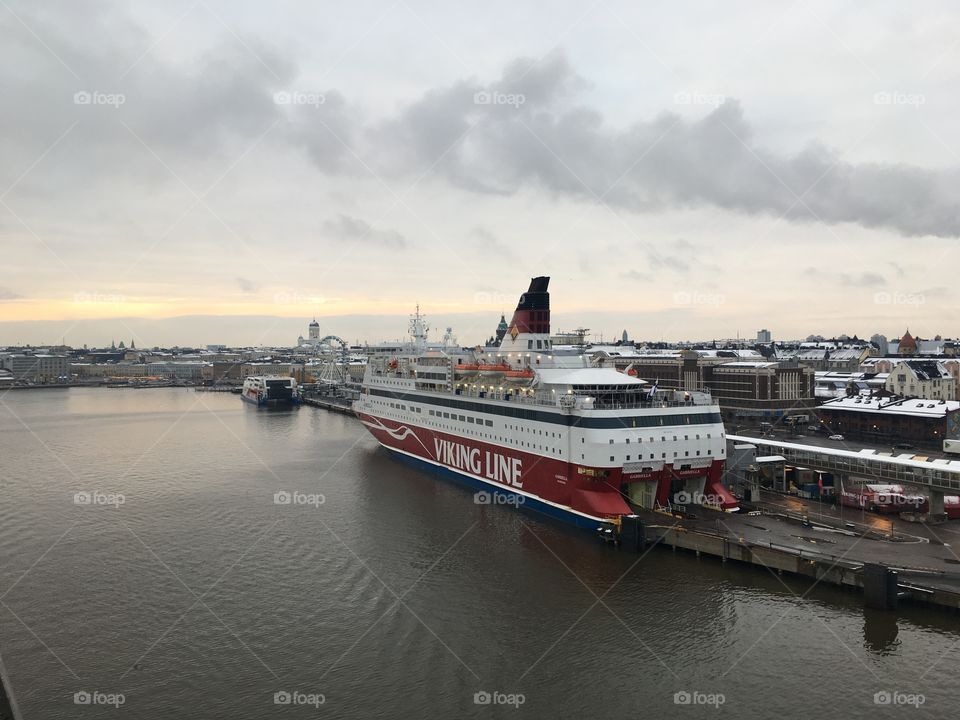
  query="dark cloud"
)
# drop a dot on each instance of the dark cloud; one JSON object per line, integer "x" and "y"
{"x": 864, "y": 279}
{"x": 937, "y": 291}
{"x": 550, "y": 142}
{"x": 529, "y": 128}
{"x": 121, "y": 112}
{"x": 354, "y": 229}
{"x": 660, "y": 261}
{"x": 247, "y": 286}
{"x": 679, "y": 256}
{"x": 487, "y": 241}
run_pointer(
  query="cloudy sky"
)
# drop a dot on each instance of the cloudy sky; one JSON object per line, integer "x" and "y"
{"x": 219, "y": 171}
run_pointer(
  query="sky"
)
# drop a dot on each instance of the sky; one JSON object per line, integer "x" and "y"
{"x": 213, "y": 171}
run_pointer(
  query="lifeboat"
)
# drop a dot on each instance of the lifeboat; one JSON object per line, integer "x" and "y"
{"x": 485, "y": 367}
{"x": 528, "y": 373}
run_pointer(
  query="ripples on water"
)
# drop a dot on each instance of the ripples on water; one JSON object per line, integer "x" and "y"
{"x": 398, "y": 597}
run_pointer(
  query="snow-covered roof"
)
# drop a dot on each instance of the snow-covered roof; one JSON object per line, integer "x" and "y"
{"x": 729, "y": 352}
{"x": 896, "y": 406}
{"x": 747, "y": 364}
{"x": 905, "y": 460}
{"x": 930, "y": 347}
{"x": 926, "y": 369}
{"x": 846, "y": 354}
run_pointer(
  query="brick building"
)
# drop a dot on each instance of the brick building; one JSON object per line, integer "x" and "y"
{"x": 893, "y": 420}
{"x": 748, "y": 391}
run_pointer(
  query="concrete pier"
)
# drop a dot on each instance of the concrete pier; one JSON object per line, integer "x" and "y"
{"x": 333, "y": 404}
{"x": 890, "y": 569}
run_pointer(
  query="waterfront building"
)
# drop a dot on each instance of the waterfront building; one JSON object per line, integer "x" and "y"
{"x": 748, "y": 388}
{"x": 920, "y": 378}
{"x": 42, "y": 368}
{"x": 924, "y": 423}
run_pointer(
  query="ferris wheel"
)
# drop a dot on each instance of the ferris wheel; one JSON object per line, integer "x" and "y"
{"x": 333, "y": 345}
{"x": 336, "y": 354}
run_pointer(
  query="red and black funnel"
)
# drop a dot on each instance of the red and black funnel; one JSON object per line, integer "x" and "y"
{"x": 533, "y": 311}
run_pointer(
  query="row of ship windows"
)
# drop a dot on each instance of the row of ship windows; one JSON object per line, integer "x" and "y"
{"x": 510, "y": 441}
{"x": 477, "y": 421}
{"x": 663, "y": 456}
{"x": 535, "y": 431}
{"x": 438, "y": 414}
{"x": 663, "y": 438}
{"x": 461, "y": 418}
{"x": 398, "y": 406}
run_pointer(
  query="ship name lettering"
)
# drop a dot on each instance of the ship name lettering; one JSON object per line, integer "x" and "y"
{"x": 493, "y": 466}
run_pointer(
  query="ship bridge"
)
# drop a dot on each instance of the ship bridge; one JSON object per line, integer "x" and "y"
{"x": 939, "y": 476}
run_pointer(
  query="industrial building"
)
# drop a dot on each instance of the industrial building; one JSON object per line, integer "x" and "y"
{"x": 893, "y": 420}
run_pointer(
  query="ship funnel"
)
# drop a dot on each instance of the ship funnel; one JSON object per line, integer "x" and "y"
{"x": 532, "y": 315}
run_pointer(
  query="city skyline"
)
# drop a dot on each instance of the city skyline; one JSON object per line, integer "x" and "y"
{"x": 235, "y": 331}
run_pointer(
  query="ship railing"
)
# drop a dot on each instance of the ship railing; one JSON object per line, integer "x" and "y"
{"x": 582, "y": 402}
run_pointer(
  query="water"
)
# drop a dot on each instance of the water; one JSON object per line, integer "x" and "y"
{"x": 199, "y": 596}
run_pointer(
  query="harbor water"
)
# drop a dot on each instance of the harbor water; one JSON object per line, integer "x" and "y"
{"x": 167, "y": 553}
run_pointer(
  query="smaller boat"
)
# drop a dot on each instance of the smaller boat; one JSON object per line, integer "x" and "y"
{"x": 270, "y": 390}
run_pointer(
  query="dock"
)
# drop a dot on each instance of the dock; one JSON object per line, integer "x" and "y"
{"x": 889, "y": 565}
{"x": 340, "y": 405}
{"x": 888, "y": 569}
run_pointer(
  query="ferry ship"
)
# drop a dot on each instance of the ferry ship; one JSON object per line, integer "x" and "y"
{"x": 270, "y": 390}
{"x": 543, "y": 426}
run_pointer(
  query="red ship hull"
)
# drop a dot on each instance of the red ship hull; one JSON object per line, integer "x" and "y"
{"x": 577, "y": 493}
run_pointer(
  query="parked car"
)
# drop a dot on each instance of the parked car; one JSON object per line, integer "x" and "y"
{"x": 836, "y": 437}
{"x": 812, "y": 428}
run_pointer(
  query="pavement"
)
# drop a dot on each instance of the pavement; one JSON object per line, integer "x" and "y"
{"x": 927, "y": 554}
